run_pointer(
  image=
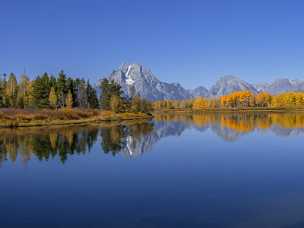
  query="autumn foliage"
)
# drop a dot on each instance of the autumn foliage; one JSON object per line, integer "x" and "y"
{"x": 237, "y": 100}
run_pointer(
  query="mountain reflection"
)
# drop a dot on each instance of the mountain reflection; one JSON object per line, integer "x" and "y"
{"x": 133, "y": 139}
{"x": 231, "y": 125}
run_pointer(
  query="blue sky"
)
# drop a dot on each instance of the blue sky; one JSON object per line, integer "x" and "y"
{"x": 193, "y": 42}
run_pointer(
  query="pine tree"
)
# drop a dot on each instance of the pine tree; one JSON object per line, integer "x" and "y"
{"x": 81, "y": 93}
{"x": 62, "y": 88}
{"x": 108, "y": 89}
{"x": 92, "y": 99}
{"x": 2, "y": 92}
{"x": 41, "y": 90}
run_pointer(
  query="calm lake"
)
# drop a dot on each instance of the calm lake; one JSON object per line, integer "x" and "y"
{"x": 203, "y": 170}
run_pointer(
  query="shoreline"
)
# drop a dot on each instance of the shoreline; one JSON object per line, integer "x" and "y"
{"x": 278, "y": 110}
{"x": 117, "y": 118}
{"x": 101, "y": 117}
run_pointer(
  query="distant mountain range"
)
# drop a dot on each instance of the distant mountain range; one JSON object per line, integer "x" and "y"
{"x": 136, "y": 79}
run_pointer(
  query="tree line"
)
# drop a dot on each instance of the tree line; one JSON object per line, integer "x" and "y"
{"x": 236, "y": 100}
{"x": 61, "y": 91}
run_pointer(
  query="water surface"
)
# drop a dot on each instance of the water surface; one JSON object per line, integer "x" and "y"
{"x": 204, "y": 170}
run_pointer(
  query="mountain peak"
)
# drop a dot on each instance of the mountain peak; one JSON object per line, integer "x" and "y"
{"x": 230, "y": 83}
{"x": 125, "y": 66}
{"x": 229, "y": 78}
{"x": 135, "y": 79}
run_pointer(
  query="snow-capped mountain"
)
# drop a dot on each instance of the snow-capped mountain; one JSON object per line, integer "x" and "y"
{"x": 281, "y": 85}
{"x": 228, "y": 84}
{"x": 136, "y": 79}
{"x": 200, "y": 91}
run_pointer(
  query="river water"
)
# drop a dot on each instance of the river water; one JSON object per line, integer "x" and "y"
{"x": 203, "y": 170}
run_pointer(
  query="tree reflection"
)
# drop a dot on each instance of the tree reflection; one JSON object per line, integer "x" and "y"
{"x": 45, "y": 144}
{"x": 61, "y": 143}
{"x": 132, "y": 139}
{"x": 231, "y": 125}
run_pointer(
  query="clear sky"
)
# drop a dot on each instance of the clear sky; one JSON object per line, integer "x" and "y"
{"x": 193, "y": 42}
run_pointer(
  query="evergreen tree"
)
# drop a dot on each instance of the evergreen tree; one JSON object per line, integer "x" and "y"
{"x": 92, "y": 99}
{"x": 108, "y": 89}
{"x": 2, "y": 92}
{"x": 62, "y": 88}
{"x": 41, "y": 90}
{"x": 81, "y": 93}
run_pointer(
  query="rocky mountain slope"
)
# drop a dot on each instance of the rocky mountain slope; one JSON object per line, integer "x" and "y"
{"x": 228, "y": 84}
{"x": 136, "y": 79}
{"x": 281, "y": 85}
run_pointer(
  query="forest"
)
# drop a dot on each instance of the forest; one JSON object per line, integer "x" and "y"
{"x": 62, "y": 92}
{"x": 237, "y": 100}
{"x": 55, "y": 92}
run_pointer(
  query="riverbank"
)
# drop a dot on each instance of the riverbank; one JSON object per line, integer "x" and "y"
{"x": 12, "y": 118}
{"x": 170, "y": 111}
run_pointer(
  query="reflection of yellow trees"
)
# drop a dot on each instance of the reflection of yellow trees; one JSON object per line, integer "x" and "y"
{"x": 69, "y": 136}
{"x": 264, "y": 123}
{"x": 201, "y": 120}
{"x": 250, "y": 121}
{"x": 288, "y": 120}
{"x": 240, "y": 122}
{"x": 53, "y": 139}
{"x": 173, "y": 117}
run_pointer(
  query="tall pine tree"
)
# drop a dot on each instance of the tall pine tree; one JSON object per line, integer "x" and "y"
{"x": 62, "y": 89}
{"x": 108, "y": 89}
{"x": 91, "y": 96}
{"x": 41, "y": 90}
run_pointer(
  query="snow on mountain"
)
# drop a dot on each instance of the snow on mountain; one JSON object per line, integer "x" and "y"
{"x": 136, "y": 79}
{"x": 281, "y": 85}
{"x": 228, "y": 84}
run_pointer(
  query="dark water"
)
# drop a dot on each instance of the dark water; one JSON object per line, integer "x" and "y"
{"x": 211, "y": 170}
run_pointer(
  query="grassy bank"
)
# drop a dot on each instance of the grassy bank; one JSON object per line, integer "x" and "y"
{"x": 31, "y": 118}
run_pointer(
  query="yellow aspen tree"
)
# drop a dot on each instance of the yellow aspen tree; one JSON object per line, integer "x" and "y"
{"x": 69, "y": 100}
{"x": 53, "y": 98}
